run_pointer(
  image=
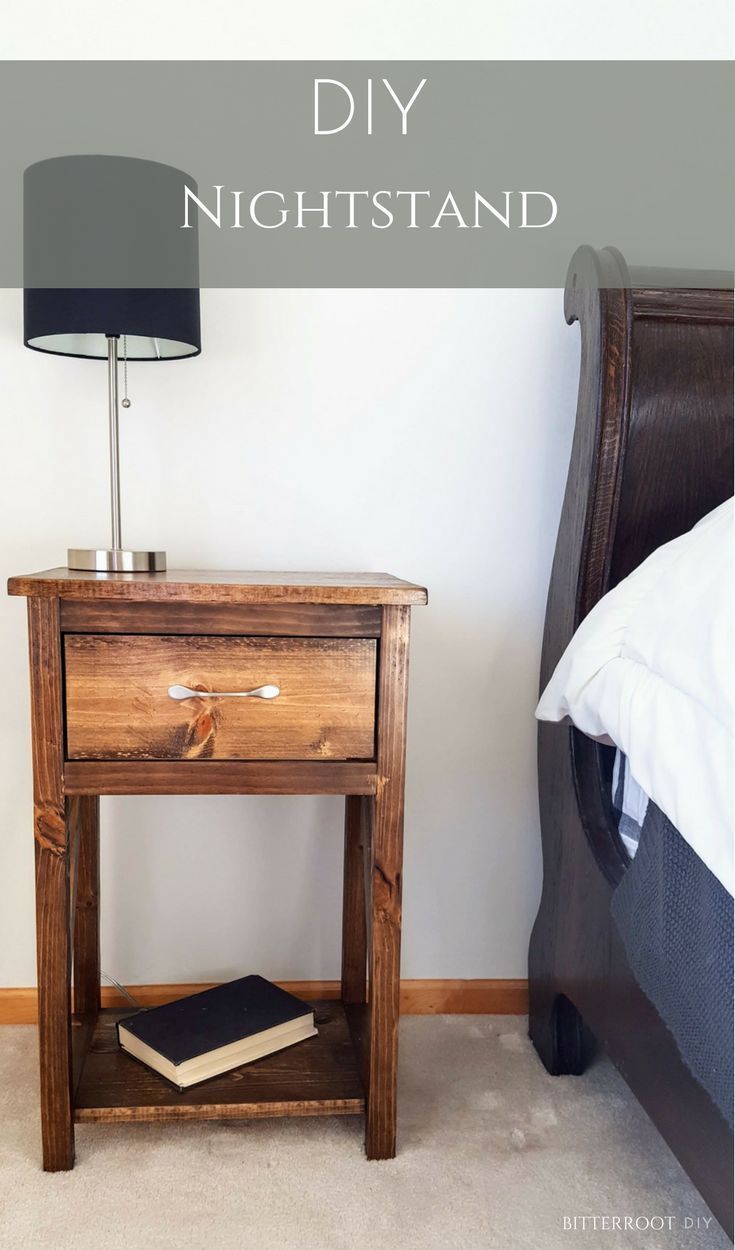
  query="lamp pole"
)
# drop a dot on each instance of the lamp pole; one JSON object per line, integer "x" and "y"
{"x": 114, "y": 442}
{"x": 115, "y": 559}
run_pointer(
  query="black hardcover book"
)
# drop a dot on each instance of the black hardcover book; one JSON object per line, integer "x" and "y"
{"x": 201, "y": 1036}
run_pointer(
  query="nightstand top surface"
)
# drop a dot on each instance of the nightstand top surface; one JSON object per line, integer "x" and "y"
{"x": 211, "y": 586}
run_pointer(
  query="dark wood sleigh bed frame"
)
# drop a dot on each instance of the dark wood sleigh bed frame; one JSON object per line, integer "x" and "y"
{"x": 652, "y": 454}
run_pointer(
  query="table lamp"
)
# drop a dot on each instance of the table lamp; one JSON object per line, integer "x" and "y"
{"x": 94, "y": 226}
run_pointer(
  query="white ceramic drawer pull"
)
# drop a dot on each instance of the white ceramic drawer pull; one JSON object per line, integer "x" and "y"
{"x": 260, "y": 692}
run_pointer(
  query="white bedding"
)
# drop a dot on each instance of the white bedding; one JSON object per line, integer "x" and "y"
{"x": 651, "y": 671}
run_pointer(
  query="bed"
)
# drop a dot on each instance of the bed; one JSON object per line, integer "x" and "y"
{"x": 652, "y": 455}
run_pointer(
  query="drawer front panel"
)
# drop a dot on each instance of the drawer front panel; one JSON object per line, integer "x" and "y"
{"x": 118, "y": 706}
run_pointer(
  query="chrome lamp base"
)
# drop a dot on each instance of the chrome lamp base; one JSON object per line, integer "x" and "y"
{"x": 115, "y": 560}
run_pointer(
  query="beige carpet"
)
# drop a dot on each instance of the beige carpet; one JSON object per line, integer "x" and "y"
{"x": 492, "y": 1153}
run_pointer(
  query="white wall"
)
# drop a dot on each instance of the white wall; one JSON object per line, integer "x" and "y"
{"x": 364, "y": 29}
{"x": 425, "y": 433}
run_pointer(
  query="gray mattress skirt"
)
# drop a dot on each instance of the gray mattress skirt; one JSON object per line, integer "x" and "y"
{"x": 676, "y": 922}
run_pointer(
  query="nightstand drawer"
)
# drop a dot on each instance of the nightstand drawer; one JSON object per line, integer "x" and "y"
{"x": 256, "y": 698}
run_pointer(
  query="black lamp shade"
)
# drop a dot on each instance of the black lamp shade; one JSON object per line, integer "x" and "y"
{"x": 104, "y": 255}
{"x": 158, "y": 325}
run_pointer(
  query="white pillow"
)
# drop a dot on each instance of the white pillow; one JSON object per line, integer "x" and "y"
{"x": 651, "y": 670}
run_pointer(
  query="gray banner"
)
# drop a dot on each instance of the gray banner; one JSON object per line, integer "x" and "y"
{"x": 503, "y": 170}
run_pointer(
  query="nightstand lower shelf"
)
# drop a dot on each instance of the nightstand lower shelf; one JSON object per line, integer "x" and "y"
{"x": 317, "y": 1077}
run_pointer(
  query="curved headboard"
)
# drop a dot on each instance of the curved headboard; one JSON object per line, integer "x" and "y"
{"x": 652, "y": 454}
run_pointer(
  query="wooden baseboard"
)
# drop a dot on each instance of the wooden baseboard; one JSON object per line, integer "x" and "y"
{"x": 418, "y": 998}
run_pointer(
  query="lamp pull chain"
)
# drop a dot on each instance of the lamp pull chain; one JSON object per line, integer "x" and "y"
{"x": 125, "y": 400}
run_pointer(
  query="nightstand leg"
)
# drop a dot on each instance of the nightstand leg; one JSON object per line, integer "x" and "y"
{"x": 384, "y": 954}
{"x": 53, "y": 951}
{"x": 86, "y": 909}
{"x": 354, "y": 919}
{"x": 53, "y": 921}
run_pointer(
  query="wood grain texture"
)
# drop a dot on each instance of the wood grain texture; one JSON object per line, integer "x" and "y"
{"x": 690, "y": 305}
{"x": 82, "y": 1032}
{"x": 53, "y": 919}
{"x": 652, "y": 454}
{"x": 440, "y": 996}
{"x": 315, "y": 1077}
{"x": 203, "y": 586}
{"x": 490, "y": 996}
{"x": 73, "y": 807}
{"x": 155, "y": 995}
{"x": 386, "y": 886}
{"x": 86, "y": 935}
{"x": 91, "y": 616}
{"x": 354, "y": 919}
{"x": 117, "y": 706}
{"x": 218, "y": 777}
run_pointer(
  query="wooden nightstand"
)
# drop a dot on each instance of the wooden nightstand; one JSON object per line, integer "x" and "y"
{"x": 105, "y": 649}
